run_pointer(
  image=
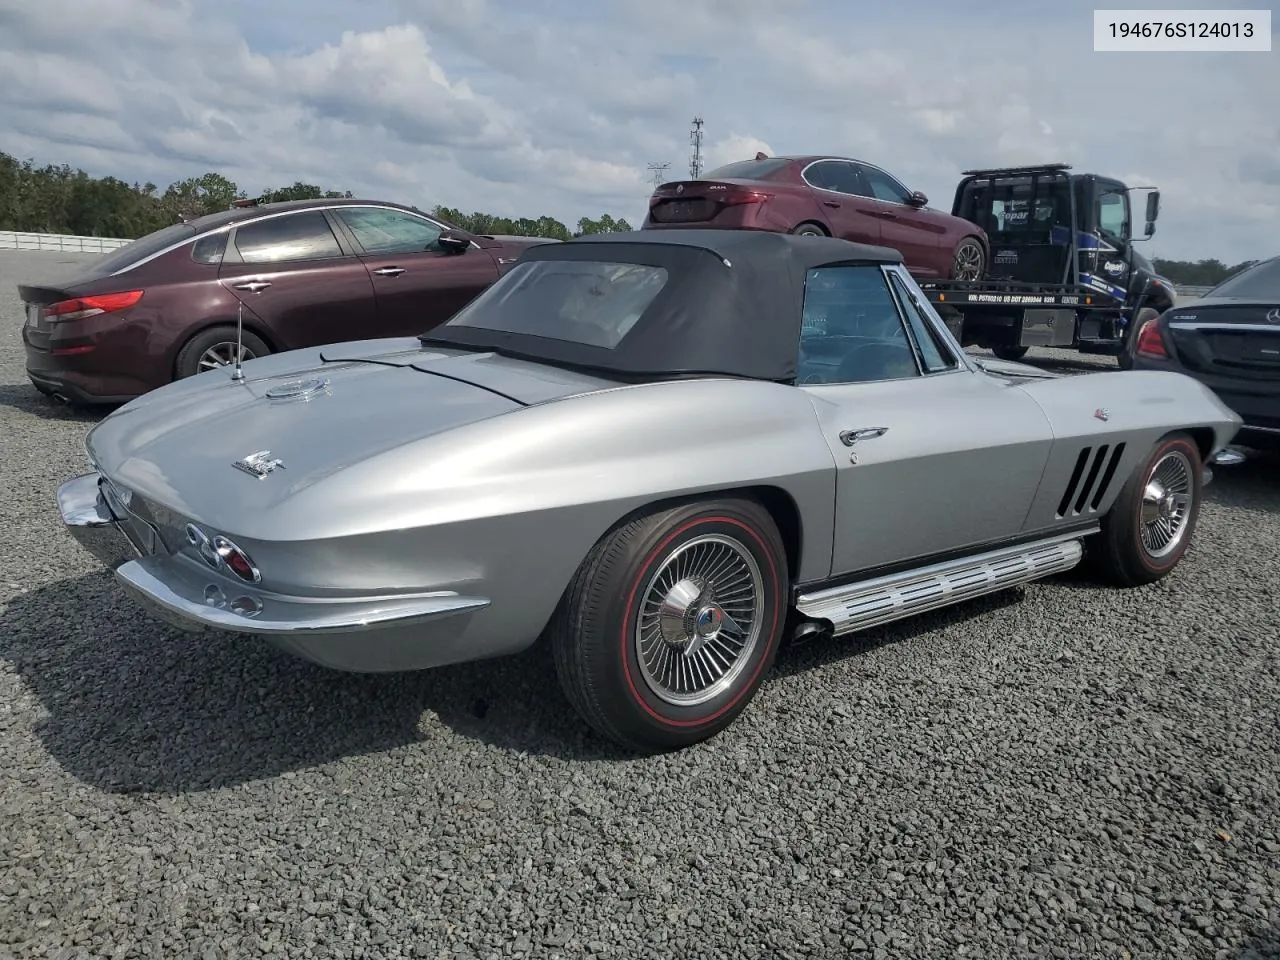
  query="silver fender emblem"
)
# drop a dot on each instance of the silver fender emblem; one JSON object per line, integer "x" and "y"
{"x": 1102, "y": 414}
{"x": 259, "y": 464}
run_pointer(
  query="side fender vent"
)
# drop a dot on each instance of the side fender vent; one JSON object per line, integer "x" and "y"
{"x": 1065, "y": 503}
{"x": 1085, "y": 480}
{"x": 1105, "y": 485}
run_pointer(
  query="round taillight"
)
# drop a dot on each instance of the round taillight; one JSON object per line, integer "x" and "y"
{"x": 236, "y": 560}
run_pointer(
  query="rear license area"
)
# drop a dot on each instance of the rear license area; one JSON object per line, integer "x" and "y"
{"x": 683, "y": 210}
{"x": 1247, "y": 348}
{"x": 34, "y": 318}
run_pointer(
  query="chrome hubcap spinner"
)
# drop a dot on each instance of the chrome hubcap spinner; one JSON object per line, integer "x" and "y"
{"x": 1166, "y": 504}
{"x": 699, "y": 620}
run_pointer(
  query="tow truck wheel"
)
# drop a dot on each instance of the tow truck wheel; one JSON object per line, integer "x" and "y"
{"x": 970, "y": 260}
{"x": 1010, "y": 352}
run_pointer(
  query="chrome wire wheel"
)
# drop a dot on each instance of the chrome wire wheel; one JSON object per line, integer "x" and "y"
{"x": 221, "y": 355}
{"x": 1166, "y": 504}
{"x": 700, "y": 620}
{"x": 968, "y": 262}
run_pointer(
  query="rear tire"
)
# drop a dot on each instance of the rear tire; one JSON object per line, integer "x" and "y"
{"x": 672, "y": 622}
{"x": 1149, "y": 528}
{"x": 969, "y": 262}
{"x": 204, "y": 351}
{"x": 809, "y": 230}
{"x": 1010, "y": 352}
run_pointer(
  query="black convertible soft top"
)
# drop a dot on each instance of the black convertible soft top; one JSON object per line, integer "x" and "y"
{"x": 732, "y": 303}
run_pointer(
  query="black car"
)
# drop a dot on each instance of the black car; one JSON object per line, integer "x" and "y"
{"x": 1229, "y": 340}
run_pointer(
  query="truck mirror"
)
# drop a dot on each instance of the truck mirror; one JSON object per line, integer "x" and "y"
{"x": 1150, "y": 230}
{"x": 1153, "y": 206}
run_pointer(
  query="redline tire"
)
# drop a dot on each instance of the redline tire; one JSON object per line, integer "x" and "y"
{"x": 1126, "y": 552}
{"x": 608, "y": 664}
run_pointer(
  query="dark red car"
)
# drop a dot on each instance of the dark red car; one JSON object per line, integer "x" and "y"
{"x": 835, "y": 196}
{"x": 307, "y": 272}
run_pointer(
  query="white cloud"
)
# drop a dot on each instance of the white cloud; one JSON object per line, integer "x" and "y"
{"x": 735, "y": 147}
{"x": 556, "y": 108}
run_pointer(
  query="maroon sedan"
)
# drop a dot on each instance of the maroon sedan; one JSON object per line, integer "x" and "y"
{"x": 306, "y": 272}
{"x": 834, "y": 196}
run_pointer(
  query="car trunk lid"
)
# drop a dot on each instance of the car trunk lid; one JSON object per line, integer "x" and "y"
{"x": 1228, "y": 337}
{"x": 182, "y": 447}
{"x": 699, "y": 201}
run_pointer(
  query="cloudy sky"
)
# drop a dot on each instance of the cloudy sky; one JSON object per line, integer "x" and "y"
{"x": 532, "y": 107}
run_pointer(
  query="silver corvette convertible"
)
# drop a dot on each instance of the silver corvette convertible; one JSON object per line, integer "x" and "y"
{"x": 664, "y": 452}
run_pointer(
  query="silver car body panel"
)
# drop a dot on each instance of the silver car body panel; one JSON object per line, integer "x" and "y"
{"x": 431, "y": 505}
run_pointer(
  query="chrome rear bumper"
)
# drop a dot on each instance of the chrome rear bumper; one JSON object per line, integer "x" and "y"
{"x": 189, "y": 599}
{"x": 363, "y": 634}
{"x": 91, "y": 521}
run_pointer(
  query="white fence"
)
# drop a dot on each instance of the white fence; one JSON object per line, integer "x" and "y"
{"x": 1191, "y": 292}
{"x": 62, "y": 243}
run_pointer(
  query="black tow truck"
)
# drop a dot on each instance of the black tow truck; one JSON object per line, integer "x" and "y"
{"x": 1062, "y": 269}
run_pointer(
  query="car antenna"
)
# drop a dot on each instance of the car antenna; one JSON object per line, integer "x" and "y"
{"x": 237, "y": 374}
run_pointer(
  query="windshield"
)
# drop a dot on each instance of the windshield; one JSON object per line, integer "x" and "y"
{"x": 581, "y": 301}
{"x": 1259, "y": 282}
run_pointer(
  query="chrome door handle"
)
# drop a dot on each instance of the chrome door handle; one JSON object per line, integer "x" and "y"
{"x": 389, "y": 271}
{"x": 850, "y": 437}
{"x": 253, "y": 286}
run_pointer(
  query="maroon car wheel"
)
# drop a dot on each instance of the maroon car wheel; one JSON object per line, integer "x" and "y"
{"x": 671, "y": 623}
{"x": 215, "y": 348}
{"x": 969, "y": 261}
{"x": 809, "y": 230}
{"x": 1149, "y": 528}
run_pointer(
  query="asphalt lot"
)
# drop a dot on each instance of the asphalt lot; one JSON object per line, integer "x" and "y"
{"x": 1062, "y": 771}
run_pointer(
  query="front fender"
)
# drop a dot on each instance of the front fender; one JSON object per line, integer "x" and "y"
{"x": 1133, "y": 407}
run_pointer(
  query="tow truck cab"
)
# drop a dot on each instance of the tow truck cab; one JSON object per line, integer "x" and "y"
{"x": 1063, "y": 269}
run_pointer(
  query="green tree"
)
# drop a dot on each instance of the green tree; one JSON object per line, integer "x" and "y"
{"x": 1199, "y": 273}
{"x": 606, "y": 224}
{"x": 58, "y": 199}
{"x": 198, "y": 196}
{"x": 300, "y": 191}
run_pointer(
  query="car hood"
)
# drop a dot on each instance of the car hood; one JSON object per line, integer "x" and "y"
{"x": 316, "y": 411}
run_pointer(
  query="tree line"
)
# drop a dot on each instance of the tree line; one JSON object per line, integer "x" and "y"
{"x": 1198, "y": 273}
{"x": 59, "y": 199}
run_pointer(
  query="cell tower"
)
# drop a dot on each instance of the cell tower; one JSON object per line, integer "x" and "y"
{"x": 659, "y": 171}
{"x": 695, "y": 158}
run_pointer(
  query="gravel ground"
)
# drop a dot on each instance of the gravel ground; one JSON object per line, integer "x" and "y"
{"x": 1061, "y": 771}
